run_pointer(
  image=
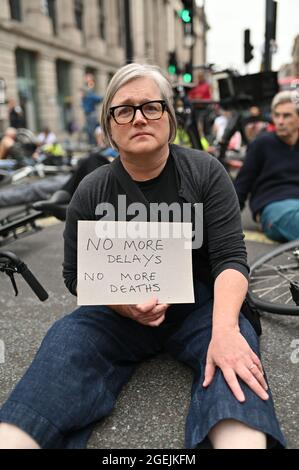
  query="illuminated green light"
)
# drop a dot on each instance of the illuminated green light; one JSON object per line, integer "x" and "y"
{"x": 172, "y": 69}
{"x": 187, "y": 77}
{"x": 185, "y": 15}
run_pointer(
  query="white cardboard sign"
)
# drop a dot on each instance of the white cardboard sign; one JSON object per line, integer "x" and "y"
{"x": 132, "y": 262}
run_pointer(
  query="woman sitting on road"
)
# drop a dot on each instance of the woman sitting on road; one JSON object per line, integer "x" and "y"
{"x": 88, "y": 356}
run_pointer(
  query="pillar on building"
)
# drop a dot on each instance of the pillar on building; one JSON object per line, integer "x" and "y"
{"x": 35, "y": 17}
{"x": 113, "y": 48}
{"x": 66, "y": 27}
{"x": 47, "y": 88}
{"x": 112, "y": 24}
{"x": 102, "y": 80}
{"x": 8, "y": 74}
{"x": 149, "y": 46}
{"x": 161, "y": 33}
{"x": 91, "y": 27}
{"x": 77, "y": 75}
{"x": 4, "y": 10}
{"x": 138, "y": 32}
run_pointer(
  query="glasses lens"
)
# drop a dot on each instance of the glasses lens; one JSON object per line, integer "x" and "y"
{"x": 152, "y": 110}
{"x": 123, "y": 114}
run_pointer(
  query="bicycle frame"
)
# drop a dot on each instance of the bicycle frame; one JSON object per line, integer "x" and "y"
{"x": 19, "y": 224}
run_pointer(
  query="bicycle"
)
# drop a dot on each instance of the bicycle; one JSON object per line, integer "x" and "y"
{"x": 190, "y": 135}
{"x": 274, "y": 280}
{"x": 10, "y": 264}
{"x": 19, "y": 223}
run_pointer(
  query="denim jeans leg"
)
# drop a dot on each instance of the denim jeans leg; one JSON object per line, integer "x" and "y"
{"x": 280, "y": 220}
{"x": 76, "y": 376}
{"x": 288, "y": 226}
{"x": 210, "y": 405}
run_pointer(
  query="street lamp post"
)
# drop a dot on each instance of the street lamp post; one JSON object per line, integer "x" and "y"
{"x": 270, "y": 32}
{"x": 129, "y": 43}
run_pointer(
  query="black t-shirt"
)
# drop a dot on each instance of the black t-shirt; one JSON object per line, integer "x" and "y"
{"x": 165, "y": 189}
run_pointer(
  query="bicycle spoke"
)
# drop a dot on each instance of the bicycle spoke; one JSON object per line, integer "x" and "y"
{"x": 271, "y": 278}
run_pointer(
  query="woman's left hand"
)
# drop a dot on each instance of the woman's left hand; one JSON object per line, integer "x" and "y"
{"x": 229, "y": 351}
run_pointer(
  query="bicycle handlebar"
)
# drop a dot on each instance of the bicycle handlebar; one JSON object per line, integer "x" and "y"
{"x": 21, "y": 268}
{"x": 33, "y": 282}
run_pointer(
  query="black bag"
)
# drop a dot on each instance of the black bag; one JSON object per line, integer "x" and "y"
{"x": 252, "y": 313}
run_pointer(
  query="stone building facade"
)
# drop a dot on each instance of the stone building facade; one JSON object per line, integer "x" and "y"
{"x": 47, "y": 46}
{"x": 292, "y": 69}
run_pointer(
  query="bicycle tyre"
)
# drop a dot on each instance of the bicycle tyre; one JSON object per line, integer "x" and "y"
{"x": 255, "y": 271}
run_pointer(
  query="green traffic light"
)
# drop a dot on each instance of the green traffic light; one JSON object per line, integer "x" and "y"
{"x": 172, "y": 69}
{"x": 187, "y": 77}
{"x": 185, "y": 15}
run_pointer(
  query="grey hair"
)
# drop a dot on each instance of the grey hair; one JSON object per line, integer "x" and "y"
{"x": 287, "y": 96}
{"x": 126, "y": 74}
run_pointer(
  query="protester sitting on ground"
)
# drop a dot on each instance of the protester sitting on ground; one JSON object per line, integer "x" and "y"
{"x": 8, "y": 143}
{"x": 88, "y": 356}
{"x": 58, "y": 202}
{"x": 46, "y": 137}
{"x": 255, "y": 128}
{"x": 270, "y": 174}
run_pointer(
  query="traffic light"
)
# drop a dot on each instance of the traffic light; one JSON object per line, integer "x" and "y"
{"x": 248, "y": 48}
{"x": 188, "y": 73}
{"x": 186, "y": 15}
{"x": 172, "y": 63}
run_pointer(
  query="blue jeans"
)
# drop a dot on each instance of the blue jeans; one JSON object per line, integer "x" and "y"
{"x": 280, "y": 220}
{"x": 92, "y": 122}
{"x": 87, "y": 357}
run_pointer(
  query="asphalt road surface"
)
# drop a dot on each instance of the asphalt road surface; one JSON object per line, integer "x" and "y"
{"x": 151, "y": 410}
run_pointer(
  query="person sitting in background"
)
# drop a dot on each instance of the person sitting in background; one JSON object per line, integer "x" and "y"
{"x": 58, "y": 202}
{"x": 270, "y": 174}
{"x": 255, "y": 128}
{"x": 46, "y": 137}
{"x": 8, "y": 143}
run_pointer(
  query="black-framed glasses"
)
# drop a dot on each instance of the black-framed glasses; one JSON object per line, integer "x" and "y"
{"x": 125, "y": 113}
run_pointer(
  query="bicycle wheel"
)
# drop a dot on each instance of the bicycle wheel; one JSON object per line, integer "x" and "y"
{"x": 273, "y": 277}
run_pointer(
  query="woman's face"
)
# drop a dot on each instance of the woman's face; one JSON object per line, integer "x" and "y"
{"x": 141, "y": 136}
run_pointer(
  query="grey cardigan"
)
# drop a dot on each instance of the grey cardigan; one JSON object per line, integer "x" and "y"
{"x": 202, "y": 180}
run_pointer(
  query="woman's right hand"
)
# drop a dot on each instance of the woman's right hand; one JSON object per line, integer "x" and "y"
{"x": 150, "y": 313}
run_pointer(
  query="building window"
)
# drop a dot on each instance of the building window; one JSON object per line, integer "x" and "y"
{"x": 102, "y": 19}
{"x": 27, "y": 84}
{"x": 15, "y": 10}
{"x": 49, "y": 9}
{"x": 78, "y": 5}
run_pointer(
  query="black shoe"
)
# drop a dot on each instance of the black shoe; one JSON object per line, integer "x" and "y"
{"x": 60, "y": 197}
{"x": 50, "y": 208}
